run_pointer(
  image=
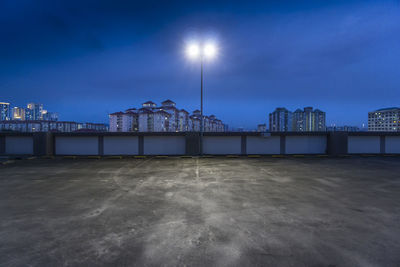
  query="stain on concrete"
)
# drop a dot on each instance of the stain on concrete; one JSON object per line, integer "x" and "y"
{"x": 201, "y": 212}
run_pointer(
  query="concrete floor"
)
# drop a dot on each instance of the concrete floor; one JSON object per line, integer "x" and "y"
{"x": 201, "y": 212}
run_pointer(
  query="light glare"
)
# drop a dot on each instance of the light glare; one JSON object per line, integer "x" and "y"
{"x": 210, "y": 50}
{"x": 193, "y": 51}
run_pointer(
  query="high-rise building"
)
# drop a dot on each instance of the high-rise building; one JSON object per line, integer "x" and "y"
{"x": 34, "y": 111}
{"x": 299, "y": 122}
{"x": 4, "y": 111}
{"x": 49, "y": 116}
{"x": 385, "y": 119}
{"x": 18, "y": 114}
{"x": 280, "y": 120}
{"x": 309, "y": 120}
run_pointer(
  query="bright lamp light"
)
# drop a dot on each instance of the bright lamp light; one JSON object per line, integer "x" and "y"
{"x": 193, "y": 50}
{"x": 210, "y": 50}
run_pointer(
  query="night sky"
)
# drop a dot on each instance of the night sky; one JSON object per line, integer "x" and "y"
{"x": 86, "y": 59}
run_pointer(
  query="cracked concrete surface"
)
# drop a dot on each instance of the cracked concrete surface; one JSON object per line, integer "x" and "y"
{"x": 201, "y": 212}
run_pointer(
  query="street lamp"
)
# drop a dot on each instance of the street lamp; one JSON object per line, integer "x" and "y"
{"x": 207, "y": 51}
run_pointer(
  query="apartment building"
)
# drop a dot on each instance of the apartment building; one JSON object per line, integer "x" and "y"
{"x": 165, "y": 118}
{"x": 385, "y": 119}
{"x": 309, "y": 120}
{"x": 183, "y": 121}
{"x": 306, "y": 120}
{"x": 280, "y": 120}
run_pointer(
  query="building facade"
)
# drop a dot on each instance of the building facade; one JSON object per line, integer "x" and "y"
{"x": 34, "y": 111}
{"x": 309, "y": 120}
{"x": 262, "y": 128}
{"x": 165, "y": 118}
{"x": 4, "y": 111}
{"x": 51, "y": 126}
{"x": 18, "y": 114}
{"x": 385, "y": 119}
{"x": 49, "y": 116}
{"x": 344, "y": 128}
{"x": 280, "y": 120}
{"x": 124, "y": 121}
{"x": 306, "y": 120}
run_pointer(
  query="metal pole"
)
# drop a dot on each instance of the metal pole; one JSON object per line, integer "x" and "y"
{"x": 201, "y": 110}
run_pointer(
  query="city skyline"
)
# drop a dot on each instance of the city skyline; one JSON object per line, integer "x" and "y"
{"x": 332, "y": 125}
{"x": 338, "y": 56}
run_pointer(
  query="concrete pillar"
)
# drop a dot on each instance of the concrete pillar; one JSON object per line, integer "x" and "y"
{"x": 282, "y": 144}
{"x": 141, "y": 144}
{"x": 43, "y": 144}
{"x": 243, "y": 145}
{"x": 337, "y": 143}
{"x": 192, "y": 144}
{"x": 382, "y": 144}
{"x": 2, "y": 145}
{"x": 101, "y": 145}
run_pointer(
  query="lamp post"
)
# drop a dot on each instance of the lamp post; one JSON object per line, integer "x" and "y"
{"x": 202, "y": 52}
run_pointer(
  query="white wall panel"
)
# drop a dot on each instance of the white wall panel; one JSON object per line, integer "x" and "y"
{"x": 392, "y": 144}
{"x": 164, "y": 145}
{"x": 263, "y": 145}
{"x": 222, "y": 145}
{"x": 77, "y": 145}
{"x": 19, "y": 145}
{"x": 363, "y": 144}
{"x": 121, "y": 145}
{"x": 306, "y": 144}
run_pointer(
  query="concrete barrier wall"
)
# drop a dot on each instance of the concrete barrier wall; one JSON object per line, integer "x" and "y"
{"x": 76, "y": 145}
{"x": 164, "y": 145}
{"x": 306, "y": 144}
{"x": 216, "y": 145}
{"x": 263, "y": 145}
{"x": 19, "y": 145}
{"x": 121, "y": 145}
{"x": 363, "y": 144}
{"x": 181, "y": 144}
{"x": 392, "y": 144}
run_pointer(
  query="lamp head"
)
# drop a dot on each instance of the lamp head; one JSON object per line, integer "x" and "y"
{"x": 193, "y": 51}
{"x": 209, "y": 50}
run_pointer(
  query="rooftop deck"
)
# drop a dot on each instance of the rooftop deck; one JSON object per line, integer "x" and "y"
{"x": 201, "y": 211}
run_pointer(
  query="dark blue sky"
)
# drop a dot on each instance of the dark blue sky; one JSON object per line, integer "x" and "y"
{"x": 85, "y": 59}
